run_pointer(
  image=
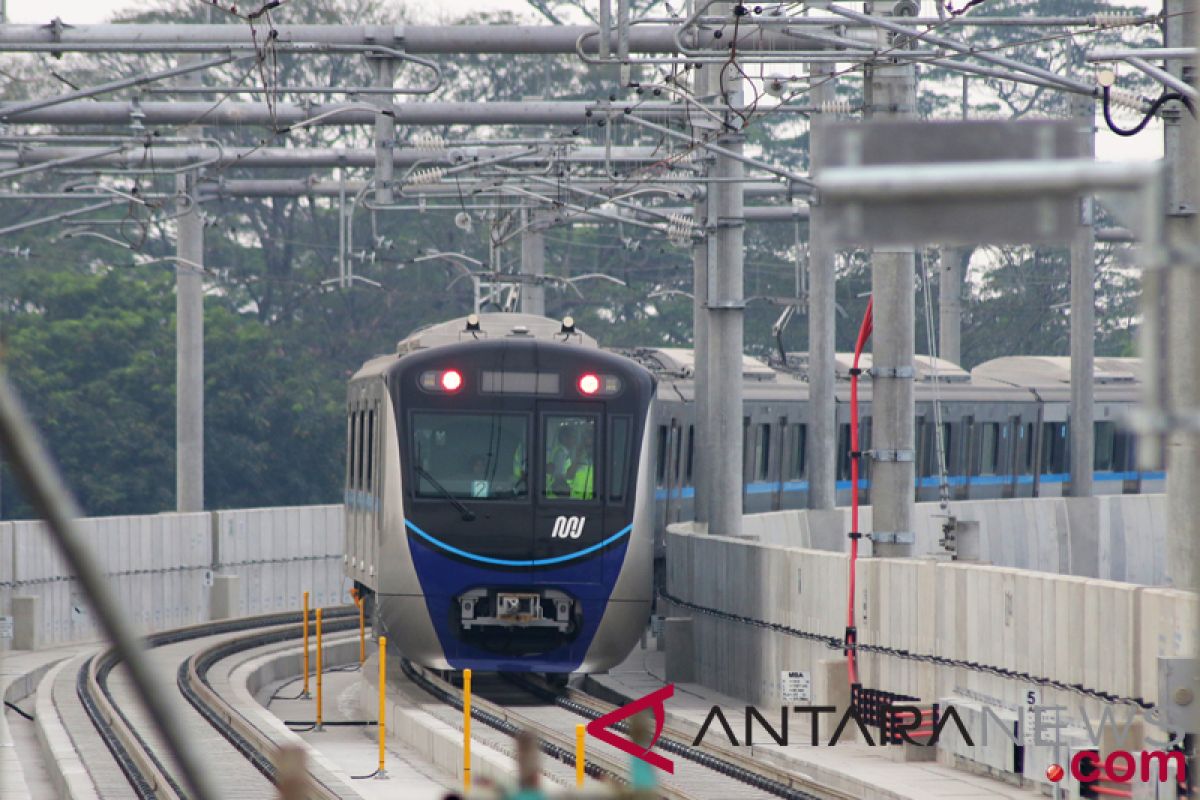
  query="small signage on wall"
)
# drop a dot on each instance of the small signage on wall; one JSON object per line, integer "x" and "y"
{"x": 795, "y": 686}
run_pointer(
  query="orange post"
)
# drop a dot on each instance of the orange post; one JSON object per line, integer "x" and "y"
{"x": 579, "y": 755}
{"x": 362, "y": 629}
{"x": 305, "y": 692}
{"x": 320, "y": 726}
{"x": 466, "y": 730}
{"x": 382, "y": 773}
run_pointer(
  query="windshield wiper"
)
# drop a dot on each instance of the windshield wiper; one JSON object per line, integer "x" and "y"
{"x": 467, "y": 514}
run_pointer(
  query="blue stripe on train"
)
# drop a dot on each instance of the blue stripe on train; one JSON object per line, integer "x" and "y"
{"x": 929, "y": 482}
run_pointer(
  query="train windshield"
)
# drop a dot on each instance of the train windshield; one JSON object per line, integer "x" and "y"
{"x": 470, "y": 456}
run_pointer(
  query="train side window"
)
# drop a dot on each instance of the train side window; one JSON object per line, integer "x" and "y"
{"x": 1030, "y": 449}
{"x": 350, "y": 451}
{"x": 1105, "y": 433}
{"x": 1054, "y": 448}
{"x": 989, "y": 447}
{"x": 799, "y": 434}
{"x": 618, "y": 458}
{"x": 747, "y": 452}
{"x": 843, "y": 454}
{"x": 691, "y": 452}
{"x": 677, "y": 453}
{"x": 359, "y": 450}
{"x": 369, "y": 483}
{"x": 660, "y": 470}
{"x": 762, "y": 451}
{"x": 1123, "y": 448}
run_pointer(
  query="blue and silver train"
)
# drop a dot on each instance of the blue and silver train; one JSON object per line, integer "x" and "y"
{"x": 499, "y": 503}
{"x": 509, "y": 482}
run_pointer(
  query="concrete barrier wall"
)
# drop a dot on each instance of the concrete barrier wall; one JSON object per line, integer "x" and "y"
{"x": 162, "y": 566}
{"x": 1115, "y": 537}
{"x": 1103, "y": 635}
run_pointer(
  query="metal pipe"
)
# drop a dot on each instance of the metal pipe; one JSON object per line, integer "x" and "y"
{"x": 60, "y": 162}
{"x": 1164, "y": 77}
{"x": 702, "y": 219}
{"x": 287, "y": 115}
{"x": 385, "y": 135}
{"x": 950, "y": 291}
{"x": 721, "y": 151}
{"x": 918, "y": 35}
{"x": 74, "y": 212}
{"x": 11, "y": 109}
{"x": 29, "y": 459}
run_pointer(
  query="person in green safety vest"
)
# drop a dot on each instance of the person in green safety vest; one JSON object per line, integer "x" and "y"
{"x": 582, "y": 481}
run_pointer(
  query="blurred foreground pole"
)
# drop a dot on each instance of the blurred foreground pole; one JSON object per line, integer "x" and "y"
{"x": 1182, "y": 140}
{"x": 35, "y": 471}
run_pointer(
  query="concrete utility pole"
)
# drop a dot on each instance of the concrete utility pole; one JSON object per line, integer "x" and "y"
{"x": 533, "y": 262}
{"x": 893, "y": 270}
{"x": 950, "y": 289}
{"x": 1083, "y": 318}
{"x": 726, "y": 311}
{"x": 702, "y": 466}
{"x": 189, "y": 339}
{"x": 822, "y": 321}
{"x": 1182, "y": 142}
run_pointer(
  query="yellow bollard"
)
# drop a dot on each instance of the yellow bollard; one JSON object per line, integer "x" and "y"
{"x": 305, "y": 692}
{"x": 320, "y": 722}
{"x": 382, "y": 705}
{"x": 466, "y": 730}
{"x": 579, "y": 757}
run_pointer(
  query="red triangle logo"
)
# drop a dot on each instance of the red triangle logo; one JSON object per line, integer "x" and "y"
{"x": 600, "y": 727}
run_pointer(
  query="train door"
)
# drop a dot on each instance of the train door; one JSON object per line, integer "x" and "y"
{"x": 568, "y": 513}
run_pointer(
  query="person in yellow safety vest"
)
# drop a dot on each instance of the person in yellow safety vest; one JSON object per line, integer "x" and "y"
{"x": 582, "y": 482}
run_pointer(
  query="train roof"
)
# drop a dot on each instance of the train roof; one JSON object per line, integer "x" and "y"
{"x": 493, "y": 326}
{"x": 1054, "y": 371}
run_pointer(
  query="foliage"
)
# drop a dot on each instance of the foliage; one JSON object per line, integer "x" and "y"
{"x": 89, "y": 338}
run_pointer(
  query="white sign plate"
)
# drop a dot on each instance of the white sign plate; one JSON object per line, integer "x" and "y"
{"x": 795, "y": 686}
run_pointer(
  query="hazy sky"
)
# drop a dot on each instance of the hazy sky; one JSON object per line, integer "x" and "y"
{"x": 1108, "y": 146}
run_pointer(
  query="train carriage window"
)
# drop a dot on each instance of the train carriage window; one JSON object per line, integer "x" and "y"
{"x": 1105, "y": 434}
{"x": 470, "y": 456}
{"x": 799, "y": 434}
{"x": 350, "y": 451}
{"x": 691, "y": 452}
{"x": 618, "y": 457}
{"x": 1123, "y": 449}
{"x": 570, "y": 457}
{"x": 989, "y": 447}
{"x": 660, "y": 473}
{"x": 677, "y": 456}
{"x": 1030, "y": 449}
{"x": 1054, "y": 448}
{"x": 360, "y": 450}
{"x": 762, "y": 451}
{"x": 843, "y": 454}
{"x": 369, "y": 483}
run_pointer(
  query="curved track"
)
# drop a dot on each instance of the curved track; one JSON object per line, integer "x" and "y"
{"x": 246, "y": 754}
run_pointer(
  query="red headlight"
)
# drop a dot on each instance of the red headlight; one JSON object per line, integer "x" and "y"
{"x": 451, "y": 380}
{"x": 589, "y": 383}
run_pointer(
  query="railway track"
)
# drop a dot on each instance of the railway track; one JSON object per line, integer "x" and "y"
{"x": 246, "y": 753}
{"x": 706, "y": 772}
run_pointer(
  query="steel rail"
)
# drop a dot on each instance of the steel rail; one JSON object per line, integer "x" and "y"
{"x": 148, "y": 776}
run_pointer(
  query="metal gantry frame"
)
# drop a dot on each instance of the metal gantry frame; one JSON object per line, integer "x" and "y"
{"x": 689, "y": 181}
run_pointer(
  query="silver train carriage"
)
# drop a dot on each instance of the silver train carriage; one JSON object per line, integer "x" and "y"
{"x": 499, "y": 499}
